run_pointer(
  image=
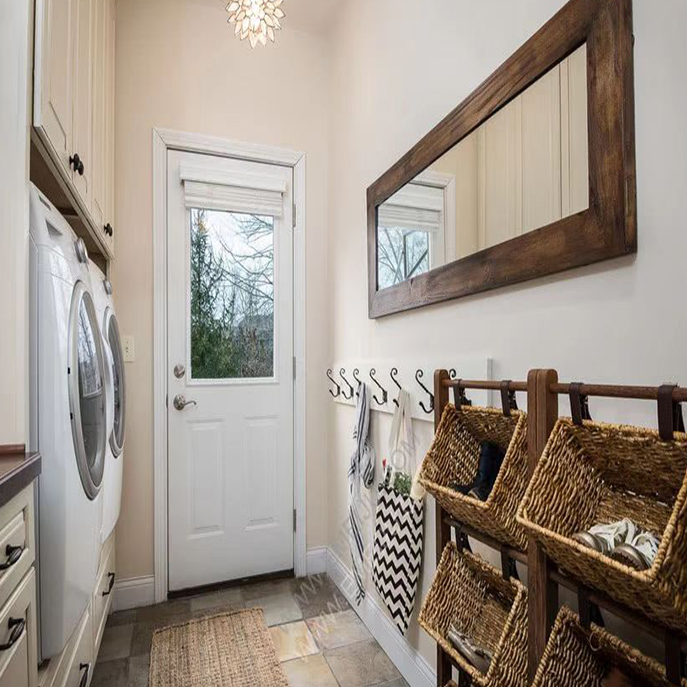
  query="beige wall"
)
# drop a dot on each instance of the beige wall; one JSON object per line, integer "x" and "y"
{"x": 180, "y": 67}
{"x": 398, "y": 67}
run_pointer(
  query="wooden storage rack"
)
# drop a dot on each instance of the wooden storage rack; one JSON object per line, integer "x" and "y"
{"x": 543, "y": 388}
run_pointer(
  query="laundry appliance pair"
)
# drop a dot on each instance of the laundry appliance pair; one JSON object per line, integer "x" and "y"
{"x": 77, "y": 418}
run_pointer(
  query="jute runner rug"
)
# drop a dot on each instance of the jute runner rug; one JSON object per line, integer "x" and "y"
{"x": 228, "y": 650}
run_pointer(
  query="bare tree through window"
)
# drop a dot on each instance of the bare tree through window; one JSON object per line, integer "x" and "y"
{"x": 232, "y": 295}
{"x": 402, "y": 254}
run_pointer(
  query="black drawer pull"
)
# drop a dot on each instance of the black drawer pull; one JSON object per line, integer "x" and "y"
{"x": 86, "y": 667}
{"x": 108, "y": 229}
{"x": 112, "y": 581}
{"x": 13, "y": 554}
{"x": 16, "y": 625}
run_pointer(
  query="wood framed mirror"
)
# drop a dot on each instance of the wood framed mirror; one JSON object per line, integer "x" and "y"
{"x": 532, "y": 174}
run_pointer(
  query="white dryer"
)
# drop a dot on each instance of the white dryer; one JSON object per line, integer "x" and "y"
{"x": 68, "y": 421}
{"x": 116, "y": 398}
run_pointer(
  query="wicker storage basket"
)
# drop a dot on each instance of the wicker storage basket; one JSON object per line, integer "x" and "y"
{"x": 454, "y": 456}
{"x": 599, "y": 473}
{"x": 487, "y": 608}
{"x": 575, "y": 657}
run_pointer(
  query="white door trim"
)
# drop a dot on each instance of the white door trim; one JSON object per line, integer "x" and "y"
{"x": 164, "y": 139}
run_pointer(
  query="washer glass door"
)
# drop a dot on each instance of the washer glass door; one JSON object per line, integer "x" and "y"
{"x": 114, "y": 341}
{"x": 87, "y": 391}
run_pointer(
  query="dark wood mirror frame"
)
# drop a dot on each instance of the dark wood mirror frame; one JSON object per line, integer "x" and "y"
{"x": 607, "y": 229}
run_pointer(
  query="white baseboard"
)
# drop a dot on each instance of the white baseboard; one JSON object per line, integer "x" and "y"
{"x": 317, "y": 560}
{"x": 134, "y": 592}
{"x": 412, "y": 666}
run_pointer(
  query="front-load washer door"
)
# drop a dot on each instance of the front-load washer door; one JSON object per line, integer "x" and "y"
{"x": 87, "y": 391}
{"x": 118, "y": 384}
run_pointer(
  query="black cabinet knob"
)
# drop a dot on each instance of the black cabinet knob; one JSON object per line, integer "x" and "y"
{"x": 77, "y": 164}
{"x": 108, "y": 229}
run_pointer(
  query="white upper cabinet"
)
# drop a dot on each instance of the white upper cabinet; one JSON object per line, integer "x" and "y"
{"x": 83, "y": 101}
{"x": 98, "y": 52}
{"x": 56, "y": 31}
{"x": 74, "y": 105}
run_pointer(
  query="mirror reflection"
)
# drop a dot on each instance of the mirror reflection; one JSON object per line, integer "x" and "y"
{"x": 523, "y": 168}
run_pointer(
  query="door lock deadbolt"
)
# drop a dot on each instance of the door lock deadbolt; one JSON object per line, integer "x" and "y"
{"x": 179, "y": 370}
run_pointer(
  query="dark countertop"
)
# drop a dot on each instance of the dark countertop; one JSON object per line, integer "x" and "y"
{"x": 17, "y": 470}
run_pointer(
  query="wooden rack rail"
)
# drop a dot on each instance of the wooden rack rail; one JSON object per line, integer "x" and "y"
{"x": 542, "y": 388}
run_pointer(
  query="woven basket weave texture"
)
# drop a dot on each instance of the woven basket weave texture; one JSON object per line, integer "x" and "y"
{"x": 575, "y": 657}
{"x": 473, "y": 595}
{"x": 454, "y": 456}
{"x": 600, "y": 473}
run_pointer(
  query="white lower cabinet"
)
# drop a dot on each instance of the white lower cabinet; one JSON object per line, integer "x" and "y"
{"x": 74, "y": 666}
{"x": 80, "y": 667}
{"x": 18, "y": 657}
{"x": 102, "y": 596}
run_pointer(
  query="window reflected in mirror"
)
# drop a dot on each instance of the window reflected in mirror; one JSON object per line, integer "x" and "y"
{"x": 522, "y": 169}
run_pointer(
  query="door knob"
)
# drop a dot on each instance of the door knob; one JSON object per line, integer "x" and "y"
{"x": 180, "y": 402}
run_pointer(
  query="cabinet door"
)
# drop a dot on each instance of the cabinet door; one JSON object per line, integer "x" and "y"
{"x": 83, "y": 103}
{"x": 110, "y": 122}
{"x": 82, "y": 662}
{"x": 19, "y": 662}
{"x": 99, "y": 51}
{"x": 54, "y": 82}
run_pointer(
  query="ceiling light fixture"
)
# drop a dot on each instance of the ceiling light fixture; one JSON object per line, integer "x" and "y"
{"x": 256, "y": 20}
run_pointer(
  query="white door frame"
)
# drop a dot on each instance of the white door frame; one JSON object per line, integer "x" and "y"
{"x": 163, "y": 140}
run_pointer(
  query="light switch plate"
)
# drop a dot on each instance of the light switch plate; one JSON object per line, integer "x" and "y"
{"x": 129, "y": 349}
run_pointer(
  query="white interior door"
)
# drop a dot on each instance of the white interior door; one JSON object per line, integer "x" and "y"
{"x": 230, "y": 359}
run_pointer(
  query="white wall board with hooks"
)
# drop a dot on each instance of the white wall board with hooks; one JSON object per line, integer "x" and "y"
{"x": 466, "y": 368}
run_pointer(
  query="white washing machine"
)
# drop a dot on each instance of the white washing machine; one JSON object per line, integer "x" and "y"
{"x": 116, "y": 399}
{"x": 68, "y": 422}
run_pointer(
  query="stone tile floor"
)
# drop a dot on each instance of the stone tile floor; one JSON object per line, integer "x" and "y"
{"x": 320, "y": 640}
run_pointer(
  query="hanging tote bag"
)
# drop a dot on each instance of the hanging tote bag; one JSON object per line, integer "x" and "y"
{"x": 397, "y": 549}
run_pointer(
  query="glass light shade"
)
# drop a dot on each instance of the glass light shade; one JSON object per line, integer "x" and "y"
{"x": 255, "y": 20}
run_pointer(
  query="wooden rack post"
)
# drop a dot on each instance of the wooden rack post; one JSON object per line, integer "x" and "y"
{"x": 542, "y": 413}
{"x": 443, "y": 528}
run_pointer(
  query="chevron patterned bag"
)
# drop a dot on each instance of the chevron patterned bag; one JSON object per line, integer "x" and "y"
{"x": 397, "y": 550}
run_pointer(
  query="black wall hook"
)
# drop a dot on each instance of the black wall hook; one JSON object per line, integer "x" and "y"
{"x": 356, "y": 372}
{"x": 452, "y": 373}
{"x": 392, "y": 374}
{"x": 348, "y": 396}
{"x": 419, "y": 374}
{"x": 334, "y": 382}
{"x": 385, "y": 395}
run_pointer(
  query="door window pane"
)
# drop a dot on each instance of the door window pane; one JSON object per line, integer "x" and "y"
{"x": 403, "y": 253}
{"x": 232, "y": 295}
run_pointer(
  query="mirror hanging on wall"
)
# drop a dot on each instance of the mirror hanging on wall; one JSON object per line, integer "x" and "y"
{"x": 524, "y": 168}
